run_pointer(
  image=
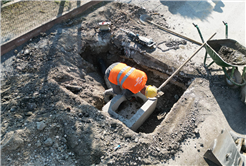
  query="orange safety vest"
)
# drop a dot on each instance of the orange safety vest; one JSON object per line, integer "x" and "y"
{"x": 128, "y": 77}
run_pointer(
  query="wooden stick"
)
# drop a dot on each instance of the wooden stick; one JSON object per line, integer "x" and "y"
{"x": 174, "y": 33}
{"x": 164, "y": 83}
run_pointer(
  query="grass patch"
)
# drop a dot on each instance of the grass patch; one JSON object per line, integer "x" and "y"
{"x": 59, "y": 1}
{"x": 6, "y": 1}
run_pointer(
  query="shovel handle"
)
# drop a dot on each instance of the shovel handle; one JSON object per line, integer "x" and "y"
{"x": 174, "y": 33}
{"x": 164, "y": 83}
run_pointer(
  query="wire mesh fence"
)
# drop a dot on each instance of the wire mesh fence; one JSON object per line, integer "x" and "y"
{"x": 22, "y": 16}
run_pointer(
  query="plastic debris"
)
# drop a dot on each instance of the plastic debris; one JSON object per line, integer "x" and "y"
{"x": 117, "y": 147}
{"x": 104, "y": 26}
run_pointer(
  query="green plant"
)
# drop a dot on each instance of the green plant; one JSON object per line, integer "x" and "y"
{"x": 57, "y": 2}
{"x": 6, "y": 1}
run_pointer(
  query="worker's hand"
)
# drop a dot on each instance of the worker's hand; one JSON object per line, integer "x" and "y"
{"x": 151, "y": 91}
{"x": 128, "y": 98}
{"x": 131, "y": 99}
{"x": 128, "y": 94}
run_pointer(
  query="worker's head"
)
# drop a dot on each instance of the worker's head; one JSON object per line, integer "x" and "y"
{"x": 149, "y": 91}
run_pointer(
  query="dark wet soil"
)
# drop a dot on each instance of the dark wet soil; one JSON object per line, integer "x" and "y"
{"x": 232, "y": 56}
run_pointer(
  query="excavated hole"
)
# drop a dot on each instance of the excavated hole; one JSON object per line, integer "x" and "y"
{"x": 172, "y": 91}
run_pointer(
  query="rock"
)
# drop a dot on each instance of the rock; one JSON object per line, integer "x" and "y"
{"x": 40, "y": 125}
{"x": 48, "y": 142}
{"x": 27, "y": 51}
{"x": 31, "y": 106}
{"x": 29, "y": 113}
{"x": 56, "y": 145}
{"x": 172, "y": 151}
{"x": 11, "y": 141}
{"x": 74, "y": 88}
{"x": 38, "y": 144}
{"x": 13, "y": 109}
{"x": 196, "y": 131}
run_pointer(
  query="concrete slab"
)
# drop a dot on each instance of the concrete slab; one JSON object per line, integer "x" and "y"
{"x": 224, "y": 114}
{"x": 138, "y": 118}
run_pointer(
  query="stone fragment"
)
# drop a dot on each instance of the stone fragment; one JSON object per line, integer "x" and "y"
{"x": 31, "y": 106}
{"x": 27, "y": 51}
{"x": 29, "y": 113}
{"x": 13, "y": 109}
{"x": 48, "y": 142}
{"x": 38, "y": 144}
{"x": 74, "y": 88}
{"x": 11, "y": 141}
{"x": 40, "y": 125}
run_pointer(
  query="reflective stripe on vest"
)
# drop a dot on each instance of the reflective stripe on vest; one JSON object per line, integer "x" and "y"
{"x": 125, "y": 77}
{"x": 120, "y": 73}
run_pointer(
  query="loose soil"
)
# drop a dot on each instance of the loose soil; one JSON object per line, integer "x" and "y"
{"x": 52, "y": 95}
{"x": 232, "y": 56}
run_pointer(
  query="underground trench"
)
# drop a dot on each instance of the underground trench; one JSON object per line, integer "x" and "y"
{"x": 172, "y": 91}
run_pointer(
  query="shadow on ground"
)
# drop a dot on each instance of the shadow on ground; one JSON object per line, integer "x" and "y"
{"x": 228, "y": 100}
{"x": 230, "y": 104}
{"x": 38, "y": 98}
{"x": 194, "y": 9}
{"x": 232, "y": 107}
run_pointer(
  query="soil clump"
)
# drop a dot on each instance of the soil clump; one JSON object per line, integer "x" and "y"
{"x": 232, "y": 56}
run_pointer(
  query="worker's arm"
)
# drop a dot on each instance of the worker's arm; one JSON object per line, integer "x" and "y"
{"x": 127, "y": 93}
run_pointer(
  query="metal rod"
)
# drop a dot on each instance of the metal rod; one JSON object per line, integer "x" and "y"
{"x": 165, "y": 29}
{"x": 226, "y": 31}
{"x": 164, "y": 83}
{"x": 198, "y": 31}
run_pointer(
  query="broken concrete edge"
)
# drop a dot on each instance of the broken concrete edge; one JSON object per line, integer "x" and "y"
{"x": 12, "y": 44}
{"x": 179, "y": 110}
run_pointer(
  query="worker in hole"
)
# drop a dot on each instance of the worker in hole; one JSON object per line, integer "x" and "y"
{"x": 128, "y": 81}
